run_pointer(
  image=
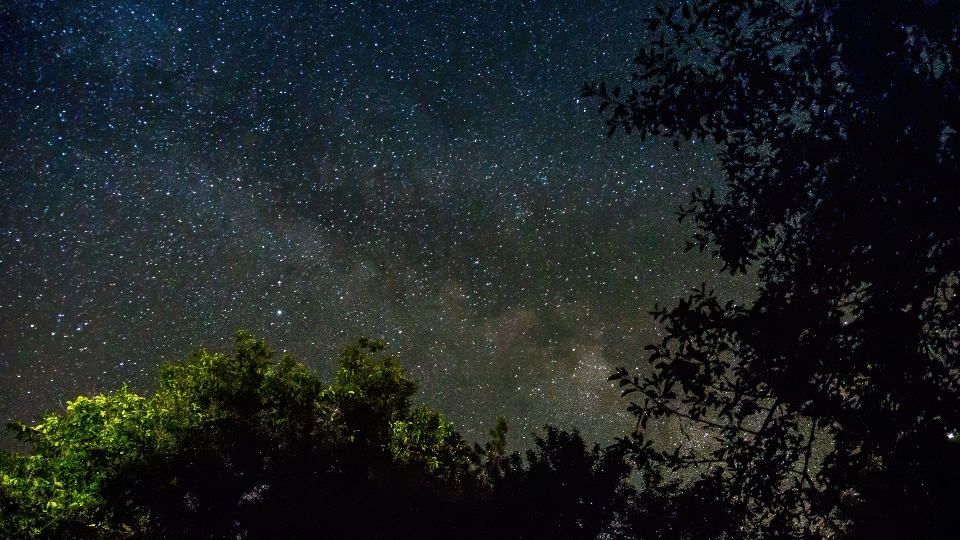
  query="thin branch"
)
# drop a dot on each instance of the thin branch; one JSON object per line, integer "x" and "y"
{"x": 708, "y": 422}
{"x": 806, "y": 458}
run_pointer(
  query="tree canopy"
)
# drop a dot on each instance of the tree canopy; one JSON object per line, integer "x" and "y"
{"x": 831, "y": 398}
{"x": 242, "y": 446}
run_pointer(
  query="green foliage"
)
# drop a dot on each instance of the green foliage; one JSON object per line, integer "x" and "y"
{"x": 369, "y": 394}
{"x": 235, "y": 446}
{"x": 57, "y": 490}
{"x": 217, "y": 384}
{"x": 196, "y": 458}
{"x": 291, "y": 404}
{"x": 280, "y": 399}
{"x": 426, "y": 440}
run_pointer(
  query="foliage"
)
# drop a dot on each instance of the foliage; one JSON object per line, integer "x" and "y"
{"x": 429, "y": 441}
{"x": 568, "y": 489}
{"x": 242, "y": 446}
{"x": 243, "y": 420}
{"x": 369, "y": 394}
{"x": 491, "y": 459}
{"x": 829, "y": 396}
{"x": 56, "y": 491}
{"x": 200, "y": 456}
{"x": 282, "y": 399}
{"x": 559, "y": 489}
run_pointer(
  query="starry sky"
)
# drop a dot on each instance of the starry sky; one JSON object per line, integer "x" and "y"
{"x": 421, "y": 171}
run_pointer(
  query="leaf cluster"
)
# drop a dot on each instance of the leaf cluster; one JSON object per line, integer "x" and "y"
{"x": 832, "y": 392}
{"x": 242, "y": 446}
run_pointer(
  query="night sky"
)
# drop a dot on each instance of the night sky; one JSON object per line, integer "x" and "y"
{"x": 424, "y": 172}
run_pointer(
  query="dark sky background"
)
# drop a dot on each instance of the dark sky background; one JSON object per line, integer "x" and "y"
{"x": 419, "y": 171}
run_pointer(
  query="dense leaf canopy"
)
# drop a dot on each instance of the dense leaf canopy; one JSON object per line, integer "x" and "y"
{"x": 833, "y": 395}
{"x": 242, "y": 446}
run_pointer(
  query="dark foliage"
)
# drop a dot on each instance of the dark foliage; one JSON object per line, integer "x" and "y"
{"x": 830, "y": 397}
{"x": 562, "y": 490}
{"x": 240, "y": 446}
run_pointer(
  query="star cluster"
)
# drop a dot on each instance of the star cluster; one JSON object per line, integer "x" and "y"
{"x": 421, "y": 171}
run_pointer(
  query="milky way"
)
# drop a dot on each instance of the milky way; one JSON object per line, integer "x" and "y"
{"x": 421, "y": 171}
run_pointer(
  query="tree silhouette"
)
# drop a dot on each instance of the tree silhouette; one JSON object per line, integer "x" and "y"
{"x": 238, "y": 445}
{"x": 833, "y": 395}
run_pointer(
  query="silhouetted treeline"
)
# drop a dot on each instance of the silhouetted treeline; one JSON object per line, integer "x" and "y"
{"x": 241, "y": 446}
